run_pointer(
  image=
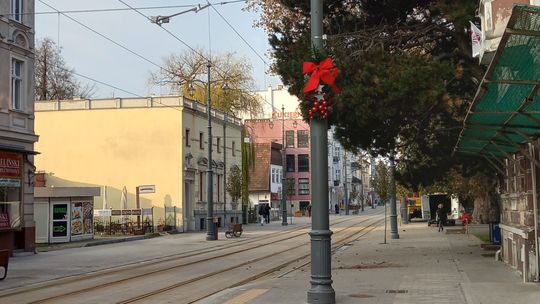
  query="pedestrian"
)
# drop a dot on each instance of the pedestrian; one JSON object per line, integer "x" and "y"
{"x": 336, "y": 206}
{"x": 261, "y": 214}
{"x": 267, "y": 213}
{"x": 309, "y": 210}
{"x": 441, "y": 217}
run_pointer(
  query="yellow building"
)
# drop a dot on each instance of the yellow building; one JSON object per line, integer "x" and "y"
{"x": 160, "y": 141}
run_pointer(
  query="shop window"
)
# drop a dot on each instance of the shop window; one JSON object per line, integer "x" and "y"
{"x": 10, "y": 207}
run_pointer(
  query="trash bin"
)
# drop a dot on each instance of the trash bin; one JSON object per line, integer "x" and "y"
{"x": 495, "y": 233}
{"x": 216, "y": 224}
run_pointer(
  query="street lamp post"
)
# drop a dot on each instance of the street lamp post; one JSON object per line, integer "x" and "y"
{"x": 321, "y": 291}
{"x": 283, "y": 179}
{"x": 211, "y": 233}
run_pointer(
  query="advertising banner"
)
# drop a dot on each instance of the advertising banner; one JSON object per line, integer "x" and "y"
{"x": 10, "y": 164}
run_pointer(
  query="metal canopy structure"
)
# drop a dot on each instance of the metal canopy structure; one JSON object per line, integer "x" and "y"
{"x": 505, "y": 112}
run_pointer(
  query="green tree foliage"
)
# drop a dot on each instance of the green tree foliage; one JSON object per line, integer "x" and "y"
{"x": 234, "y": 184}
{"x": 407, "y": 74}
{"x": 231, "y": 82}
{"x": 248, "y": 163}
{"x": 381, "y": 181}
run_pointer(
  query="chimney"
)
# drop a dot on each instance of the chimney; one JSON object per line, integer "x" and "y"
{"x": 280, "y": 87}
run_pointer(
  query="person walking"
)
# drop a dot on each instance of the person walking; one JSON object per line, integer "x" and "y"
{"x": 336, "y": 207}
{"x": 441, "y": 217}
{"x": 309, "y": 210}
{"x": 261, "y": 214}
{"x": 267, "y": 213}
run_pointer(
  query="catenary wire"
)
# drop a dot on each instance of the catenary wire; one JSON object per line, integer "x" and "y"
{"x": 217, "y": 69}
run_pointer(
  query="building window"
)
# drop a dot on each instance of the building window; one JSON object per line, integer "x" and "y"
{"x": 201, "y": 140}
{"x": 218, "y": 144}
{"x": 16, "y": 84}
{"x": 303, "y": 186}
{"x": 201, "y": 186}
{"x": 290, "y": 163}
{"x": 303, "y": 163}
{"x": 273, "y": 175}
{"x": 337, "y": 175}
{"x": 289, "y": 139}
{"x": 17, "y": 10}
{"x": 233, "y": 148}
{"x": 188, "y": 143}
{"x": 303, "y": 138}
{"x": 219, "y": 178}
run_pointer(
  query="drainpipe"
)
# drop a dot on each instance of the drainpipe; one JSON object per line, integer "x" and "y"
{"x": 535, "y": 209}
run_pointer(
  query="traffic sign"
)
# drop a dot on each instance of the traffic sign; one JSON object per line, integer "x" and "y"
{"x": 147, "y": 189}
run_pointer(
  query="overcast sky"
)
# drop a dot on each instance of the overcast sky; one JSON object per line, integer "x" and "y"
{"x": 93, "y": 56}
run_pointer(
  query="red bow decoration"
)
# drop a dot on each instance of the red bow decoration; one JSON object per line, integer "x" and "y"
{"x": 325, "y": 71}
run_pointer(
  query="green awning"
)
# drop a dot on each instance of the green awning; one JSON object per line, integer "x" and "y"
{"x": 505, "y": 112}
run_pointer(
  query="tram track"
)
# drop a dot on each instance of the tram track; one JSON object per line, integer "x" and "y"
{"x": 138, "y": 270}
{"x": 147, "y": 297}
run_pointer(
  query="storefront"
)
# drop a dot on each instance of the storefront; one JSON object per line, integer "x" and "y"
{"x": 64, "y": 214}
{"x": 11, "y": 164}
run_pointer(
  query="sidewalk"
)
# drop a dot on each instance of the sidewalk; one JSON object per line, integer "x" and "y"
{"x": 423, "y": 266}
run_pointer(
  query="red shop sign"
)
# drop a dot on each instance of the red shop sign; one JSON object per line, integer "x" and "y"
{"x": 10, "y": 164}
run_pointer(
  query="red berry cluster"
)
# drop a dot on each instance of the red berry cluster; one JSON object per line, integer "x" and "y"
{"x": 321, "y": 107}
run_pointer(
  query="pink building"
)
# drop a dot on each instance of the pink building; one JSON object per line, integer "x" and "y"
{"x": 297, "y": 154}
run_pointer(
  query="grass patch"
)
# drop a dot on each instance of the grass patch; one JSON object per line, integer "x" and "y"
{"x": 483, "y": 237}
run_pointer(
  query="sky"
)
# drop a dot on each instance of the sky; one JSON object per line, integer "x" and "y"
{"x": 94, "y": 56}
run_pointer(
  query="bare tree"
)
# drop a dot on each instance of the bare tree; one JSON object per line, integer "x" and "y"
{"x": 54, "y": 80}
{"x": 231, "y": 80}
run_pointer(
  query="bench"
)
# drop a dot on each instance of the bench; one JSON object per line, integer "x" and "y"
{"x": 234, "y": 230}
{"x": 4, "y": 260}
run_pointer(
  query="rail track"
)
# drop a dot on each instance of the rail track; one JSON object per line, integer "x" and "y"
{"x": 110, "y": 285}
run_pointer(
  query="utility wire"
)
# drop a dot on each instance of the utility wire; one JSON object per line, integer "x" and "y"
{"x": 105, "y": 37}
{"x": 220, "y": 71}
{"x": 120, "y": 9}
{"x": 239, "y": 35}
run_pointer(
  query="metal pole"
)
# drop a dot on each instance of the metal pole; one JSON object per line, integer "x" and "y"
{"x": 321, "y": 290}
{"x": 225, "y": 170}
{"x": 393, "y": 209}
{"x": 345, "y": 184}
{"x": 138, "y": 206}
{"x": 362, "y": 184}
{"x": 283, "y": 179}
{"x": 211, "y": 234}
{"x": 535, "y": 210}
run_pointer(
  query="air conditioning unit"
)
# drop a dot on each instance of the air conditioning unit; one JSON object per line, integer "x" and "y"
{"x": 494, "y": 16}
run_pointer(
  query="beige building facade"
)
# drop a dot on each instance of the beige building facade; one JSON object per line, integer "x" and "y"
{"x": 17, "y": 138}
{"x": 159, "y": 141}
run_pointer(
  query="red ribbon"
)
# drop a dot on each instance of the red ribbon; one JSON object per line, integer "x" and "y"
{"x": 325, "y": 72}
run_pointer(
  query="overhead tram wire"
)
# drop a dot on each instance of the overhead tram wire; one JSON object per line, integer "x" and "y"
{"x": 216, "y": 68}
{"x": 103, "y": 36}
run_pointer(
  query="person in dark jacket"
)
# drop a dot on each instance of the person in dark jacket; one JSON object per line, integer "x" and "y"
{"x": 267, "y": 213}
{"x": 441, "y": 217}
{"x": 336, "y": 206}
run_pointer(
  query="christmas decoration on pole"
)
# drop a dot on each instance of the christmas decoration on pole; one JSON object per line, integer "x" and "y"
{"x": 320, "y": 89}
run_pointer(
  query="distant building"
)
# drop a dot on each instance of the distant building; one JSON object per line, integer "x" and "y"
{"x": 265, "y": 177}
{"x": 159, "y": 141}
{"x": 17, "y": 137}
{"x": 297, "y": 155}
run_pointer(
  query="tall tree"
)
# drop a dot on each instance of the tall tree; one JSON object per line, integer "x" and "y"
{"x": 407, "y": 74}
{"x": 54, "y": 80}
{"x": 381, "y": 181}
{"x": 231, "y": 80}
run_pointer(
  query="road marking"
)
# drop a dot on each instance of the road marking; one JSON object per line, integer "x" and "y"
{"x": 246, "y": 296}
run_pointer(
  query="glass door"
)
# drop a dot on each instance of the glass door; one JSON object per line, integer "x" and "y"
{"x": 60, "y": 220}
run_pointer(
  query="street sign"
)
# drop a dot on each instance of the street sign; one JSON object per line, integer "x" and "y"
{"x": 147, "y": 189}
